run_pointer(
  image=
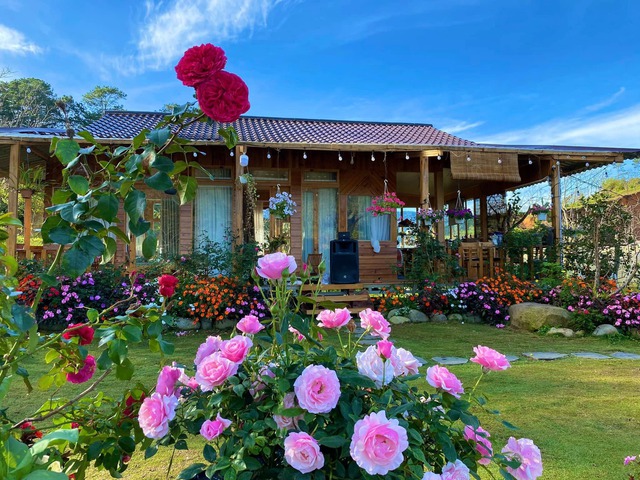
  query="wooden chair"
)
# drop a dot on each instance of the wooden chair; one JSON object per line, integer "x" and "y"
{"x": 314, "y": 260}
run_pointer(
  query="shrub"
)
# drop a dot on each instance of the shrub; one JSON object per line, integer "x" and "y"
{"x": 394, "y": 298}
{"x": 433, "y": 298}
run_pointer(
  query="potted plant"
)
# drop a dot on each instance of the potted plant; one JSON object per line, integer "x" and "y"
{"x": 459, "y": 215}
{"x": 541, "y": 210}
{"x": 31, "y": 180}
{"x": 385, "y": 204}
{"x": 282, "y": 205}
{"x": 430, "y": 216}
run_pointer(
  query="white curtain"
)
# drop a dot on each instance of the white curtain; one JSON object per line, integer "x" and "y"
{"x": 380, "y": 230}
{"x": 307, "y": 223}
{"x": 358, "y": 219}
{"x": 213, "y": 213}
{"x": 327, "y": 215}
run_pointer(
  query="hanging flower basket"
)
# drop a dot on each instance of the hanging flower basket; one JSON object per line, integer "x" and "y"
{"x": 385, "y": 204}
{"x": 282, "y": 205}
{"x": 429, "y": 216}
{"x": 540, "y": 210}
{"x": 459, "y": 215}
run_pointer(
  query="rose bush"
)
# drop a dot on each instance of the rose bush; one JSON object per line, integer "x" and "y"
{"x": 281, "y": 404}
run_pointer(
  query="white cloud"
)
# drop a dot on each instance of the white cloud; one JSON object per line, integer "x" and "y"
{"x": 170, "y": 28}
{"x": 615, "y": 129}
{"x": 461, "y": 127}
{"x": 15, "y": 42}
{"x": 605, "y": 103}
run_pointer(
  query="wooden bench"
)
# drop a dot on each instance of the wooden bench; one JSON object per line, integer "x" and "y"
{"x": 341, "y": 294}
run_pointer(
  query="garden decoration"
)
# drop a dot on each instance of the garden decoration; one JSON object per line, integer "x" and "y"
{"x": 385, "y": 204}
{"x": 274, "y": 401}
{"x": 459, "y": 213}
{"x": 67, "y": 435}
{"x": 281, "y": 205}
{"x": 540, "y": 210}
{"x": 31, "y": 179}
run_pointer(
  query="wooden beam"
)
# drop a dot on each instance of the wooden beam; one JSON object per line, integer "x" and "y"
{"x": 484, "y": 223}
{"x": 439, "y": 194}
{"x": 236, "y": 208}
{"x": 14, "y": 167}
{"x": 424, "y": 180}
{"x": 431, "y": 153}
{"x": 556, "y": 202}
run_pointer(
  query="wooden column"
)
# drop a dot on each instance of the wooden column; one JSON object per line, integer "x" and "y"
{"x": 424, "y": 180}
{"x": 556, "y": 201}
{"x": 14, "y": 167}
{"x": 439, "y": 200}
{"x": 236, "y": 204}
{"x": 484, "y": 223}
{"x": 26, "y": 227}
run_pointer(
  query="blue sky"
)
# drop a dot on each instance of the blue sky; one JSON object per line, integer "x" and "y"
{"x": 523, "y": 72}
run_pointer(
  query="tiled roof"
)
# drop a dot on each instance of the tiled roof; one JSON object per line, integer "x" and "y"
{"x": 125, "y": 125}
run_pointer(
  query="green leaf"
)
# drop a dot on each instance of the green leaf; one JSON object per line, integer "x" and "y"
{"x": 117, "y": 231}
{"x": 140, "y": 227}
{"x": 63, "y": 234}
{"x": 127, "y": 444}
{"x": 87, "y": 150}
{"x": 104, "y": 361}
{"x": 75, "y": 262}
{"x": 4, "y": 386}
{"x": 162, "y": 164}
{"x": 66, "y": 150}
{"x": 132, "y": 333}
{"x": 59, "y": 436}
{"x": 134, "y": 204}
{"x": 187, "y": 187}
{"x": 78, "y": 184}
{"x": 209, "y": 453}
{"x": 166, "y": 347}
{"x": 191, "y": 471}
{"x": 149, "y": 245}
{"x": 22, "y": 318}
{"x": 92, "y": 314}
{"x": 335, "y": 441}
{"x": 107, "y": 207}
{"x": 45, "y": 382}
{"x": 49, "y": 224}
{"x": 139, "y": 139}
{"x": 150, "y": 452}
{"x": 159, "y": 181}
{"x": 230, "y": 136}
{"x": 125, "y": 370}
{"x": 509, "y": 425}
{"x": 91, "y": 245}
{"x": 118, "y": 351}
{"x": 159, "y": 136}
{"x": 110, "y": 248}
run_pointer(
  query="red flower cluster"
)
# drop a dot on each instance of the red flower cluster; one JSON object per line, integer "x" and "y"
{"x": 84, "y": 333}
{"x": 29, "y": 433}
{"x": 168, "y": 285}
{"x": 222, "y": 96}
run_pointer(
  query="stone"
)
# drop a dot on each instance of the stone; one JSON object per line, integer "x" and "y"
{"x": 417, "y": 316}
{"x": 605, "y": 329}
{"x": 455, "y": 317}
{"x": 625, "y": 356}
{"x": 566, "y": 332}
{"x": 206, "y": 324}
{"x": 531, "y": 316}
{"x": 421, "y": 360}
{"x": 544, "y": 355}
{"x": 439, "y": 317}
{"x": 470, "y": 318}
{"x": 398, "y": 319}
{"x": 186, "y": 324}
{"x": 224, "y": 324}
{"x": 591, "y": 355}
{"x": 369, "y": 340}
{"x": 450, "y": 360}
{"x": 512, "y": 358}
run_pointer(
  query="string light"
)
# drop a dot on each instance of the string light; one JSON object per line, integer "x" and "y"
{"x": 499, "y": 160}
{"x": 586, "y": 164}
{"x": 195, "y": 154}
{"x": 268, "y": 154}
{"x": 468, "y": 157}
{"x": 352, "y": 155}
{"x": 339, "y": 156}
{"x": 439, "y": 157}
{"x": 304, "y": 155}
{"x": 530, "y": 161}
{"x": 406, "y": 156}
{"x": 231, "y": 154}
{"x": 373, "y": 157}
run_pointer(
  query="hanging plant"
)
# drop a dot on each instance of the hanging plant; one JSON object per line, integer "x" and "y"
{"x": 430, "y": 216}
{"x": 282, "y": 205}
{"x": 385, "y": 204}
{"x": 460, "y": 214}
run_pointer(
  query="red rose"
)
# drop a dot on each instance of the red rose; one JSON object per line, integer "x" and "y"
{"x": 84, "y": 333}
{"x": 167, "y": 285}
{"x": 223, "y": 97}
{"x": 199, "y": 63}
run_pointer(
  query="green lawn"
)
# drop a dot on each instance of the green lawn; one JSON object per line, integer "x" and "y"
{"x": 583, "y": 414}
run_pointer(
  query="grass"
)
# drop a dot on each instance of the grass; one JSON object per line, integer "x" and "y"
{"x": 583, "y": 414}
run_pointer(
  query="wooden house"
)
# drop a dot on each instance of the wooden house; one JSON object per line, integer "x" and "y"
{"x": 332, "y": 169}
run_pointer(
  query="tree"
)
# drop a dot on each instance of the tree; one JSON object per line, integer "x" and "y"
{"x": 28, "y": 102}
{"x": 101, "y": 99}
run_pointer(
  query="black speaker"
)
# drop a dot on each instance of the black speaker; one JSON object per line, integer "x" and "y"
{"x": 344, "y": 236}
{"x": 345, "y": 264}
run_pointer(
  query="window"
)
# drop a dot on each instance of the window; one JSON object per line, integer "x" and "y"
{"x": 213, "y": 213}
{"x": 320, "y": 177}
{"x": 358, "y": 219}
{"x": 218, "y": 173}
{"x": 319, "y": 221}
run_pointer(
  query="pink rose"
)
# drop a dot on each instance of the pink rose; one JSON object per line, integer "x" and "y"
{"x": 442, "y": 379}
{"x": 371, "y": 365}
{"x": 155, "y": 414}
{"x": 211, "y": 345}
{"x": 223, "y": 97}
{"x": 317, "y": 389}
{"x": 384, "y": 348}
{"x": 334, "y": 318}
{"x": 167, "y": 380}
{"x": 375, "y": 322}
{"x": 377, "y": 443}
{"x": 199, "y": 63}
{"x": 214, "y": 371}
{"x": 288, "y": 423}
{"x": 212, "y": 428}
{"x": 481, "y": 439}
{"x": 524, "y": 451}
{"x": 404, "y": 363}
{"x": 85, "y": 373}
{"x": 302, "y": 452}
{"x": 490, "y": 359}
{"x": 187, "y": 380}
{"x": 272, "y": 266}
{"x": 455, "y": 471}
{"x": 237, "y": 348}
{"x": 250, "y": 324}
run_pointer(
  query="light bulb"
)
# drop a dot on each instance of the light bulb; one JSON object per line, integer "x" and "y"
{"x": 339, "y": 157}
{"x": 28, "y": 149}
{"x": 304, "y": 155}
{"x": 268, "y": 154}
{"x": 195, "y": 154}
{"x": 439, "y": 157}
{"x": 373, "y": 157}
{"x": 406, "y": 156}
{"x": 468, "y": 158}
{"x": 586, "y": 164}
{"x": 231, "y": 153}
{"x": 351, "y": 162}
{"x": 499, "y": 160}
{"x": 530, "y": 162}
{"x": 244, "y": 160}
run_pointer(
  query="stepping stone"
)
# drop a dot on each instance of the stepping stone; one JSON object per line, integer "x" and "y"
{"x": 592, "y": 355}
{"x": 626, "y": 356}
{"x": 544, "y": 355}
{"x": 421, "y": 360}
{"x": 369, "y": 341}
{"x": 450, "y": 360}
{"x": 512, "y": 358}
